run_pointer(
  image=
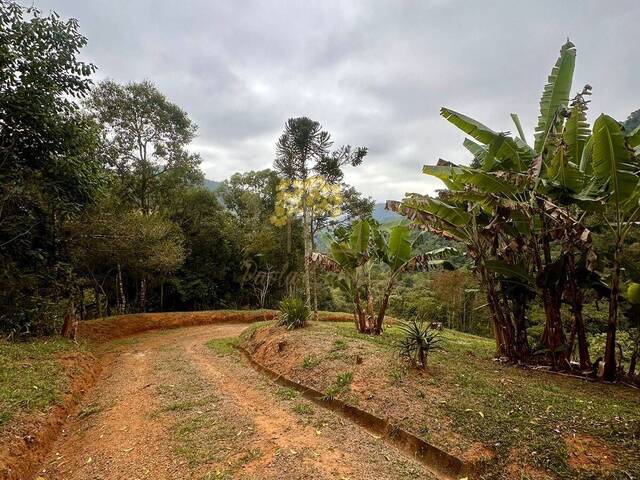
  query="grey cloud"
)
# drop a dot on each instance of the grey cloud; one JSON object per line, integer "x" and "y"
{"x": 374, "y": 73}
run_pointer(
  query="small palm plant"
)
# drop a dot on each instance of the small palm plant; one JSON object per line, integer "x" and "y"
{"x": 419, "y": 339}
{"x": 294, "y": 313}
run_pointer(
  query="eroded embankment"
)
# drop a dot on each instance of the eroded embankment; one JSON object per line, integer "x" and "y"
{"x": 27, "y": 439}
{"x": 439, "y": 462}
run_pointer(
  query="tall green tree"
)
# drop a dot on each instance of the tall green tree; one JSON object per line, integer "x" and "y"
{"x": 49, "y": 170}
{"x": 303, "y": 149}
{"x": 144, "y": 139}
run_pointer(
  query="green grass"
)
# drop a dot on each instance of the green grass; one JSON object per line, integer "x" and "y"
{"x": 31, "y": 377}
{"x": 340, "y": 385}
{"x": 507, "y": 407}
{"x": 251, "y": 329}
{"x": 310, "y": 362}
{"x": 303, "y": 408}
{"x": 201, "y": 428}
{"x": 284, "y": 393}
{"x": 223, "y": 346}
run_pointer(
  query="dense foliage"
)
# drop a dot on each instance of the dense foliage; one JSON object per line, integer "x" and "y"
{"x": 49, "y": 170}
{"x": 103, "y": 205}
{"x": 544, "y": 225}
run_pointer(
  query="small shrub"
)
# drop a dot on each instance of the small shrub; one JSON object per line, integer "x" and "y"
{"x": 343, "y": 380}
{"x": 310, "y": 362}
{"x": 293, "y": 313}
{"x": 303, "y": 409}
{"x": 418, "y": 341}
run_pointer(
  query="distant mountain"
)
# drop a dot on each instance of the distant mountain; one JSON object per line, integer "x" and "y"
{"x": 211, "y": 184}
{"x": 385, "y": 216}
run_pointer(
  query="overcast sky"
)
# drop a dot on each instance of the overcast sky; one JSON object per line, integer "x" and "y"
{"x": 373, "y": 73}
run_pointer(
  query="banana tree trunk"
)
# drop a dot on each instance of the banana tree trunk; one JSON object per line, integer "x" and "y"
{"x": 636, "y": 345}
{"x": 553, "y": 337}
{"x": 360, "y": 316}
{"x": 578, "y": 330}
{"x": 610, "y": 349}
{"x": 383, "y": 308}
{"x": 520, "y": 319}
{"x": 498, "y": 321}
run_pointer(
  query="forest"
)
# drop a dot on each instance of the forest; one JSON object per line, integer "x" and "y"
{"x": 529, "y": 251}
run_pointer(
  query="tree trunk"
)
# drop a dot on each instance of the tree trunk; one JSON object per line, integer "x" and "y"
{"x": 383, "y": 308}
{"x": 610, "y": 349}
{"x": 143, "y": 294}
{"x": 70, "y": 325}
{"x": 307, "y": 252}
{"x": 96, "y": 293}
{"x": 314, "y": 278}
{"x": 122, "y": 302}
{"x": 520, "y": 320}
{"x": 553, "y": 336}
{"x": 578, "y": 319}
{"x": 360, "y": 314}
{"x": 636, "y": 346}
{"x": 494, "y": 309}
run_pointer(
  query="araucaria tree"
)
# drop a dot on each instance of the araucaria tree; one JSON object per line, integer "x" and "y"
{"x": 305, "y": 162}
{"x": 524, "y": 214}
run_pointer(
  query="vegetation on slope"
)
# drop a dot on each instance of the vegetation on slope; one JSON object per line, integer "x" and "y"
{"x": 517, "y": 419}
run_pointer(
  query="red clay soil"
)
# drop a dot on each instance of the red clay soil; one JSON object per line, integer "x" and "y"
{"x": 589, "y": 454}
{"x": 285, "y": 352}
{"x": 27, "y": 440}
{"x": 126, "y": 325}
{"x": 221, "y": 420}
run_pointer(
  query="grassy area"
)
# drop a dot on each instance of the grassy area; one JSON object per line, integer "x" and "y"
{"x": 31, "y": 377}
{"x": 506, "y": 408}
{"x": 223, "y": 346}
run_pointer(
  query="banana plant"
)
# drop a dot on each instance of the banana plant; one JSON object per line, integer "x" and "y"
{"x": 616, "y": 171}
{"x": 366, "y": 245}
{"x": 518, "y": 203}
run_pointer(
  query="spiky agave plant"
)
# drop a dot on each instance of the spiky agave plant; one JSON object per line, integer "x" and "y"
{"x": 418, "y": 340}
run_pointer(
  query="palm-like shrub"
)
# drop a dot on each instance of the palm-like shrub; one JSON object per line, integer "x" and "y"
{"x": 294, "y": 313}
{"x": 418, "y": 341}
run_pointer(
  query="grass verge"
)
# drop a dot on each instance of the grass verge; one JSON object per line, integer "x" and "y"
{"x": 31, "y": 375}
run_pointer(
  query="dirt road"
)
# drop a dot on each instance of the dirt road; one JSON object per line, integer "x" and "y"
{"x": 182, "y": 404}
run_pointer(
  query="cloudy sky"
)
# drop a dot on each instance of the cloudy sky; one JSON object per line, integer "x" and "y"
{"x": 374, "y": 73}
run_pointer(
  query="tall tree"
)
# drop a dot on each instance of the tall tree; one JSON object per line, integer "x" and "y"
{"x": 304, "y": 148}
{"x": 48, "y": 168}
{"x": 144, "y": 141}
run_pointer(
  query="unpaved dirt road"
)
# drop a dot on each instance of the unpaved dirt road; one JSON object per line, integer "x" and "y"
{"x": 182, "y": 404}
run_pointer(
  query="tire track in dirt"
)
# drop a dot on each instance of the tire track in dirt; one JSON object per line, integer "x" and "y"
{"x": 123, "y": 432}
